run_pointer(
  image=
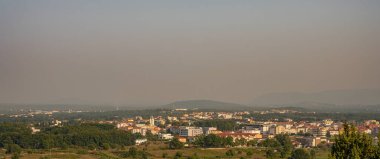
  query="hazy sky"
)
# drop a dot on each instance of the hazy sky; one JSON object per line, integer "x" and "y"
{"x": 154, "y": 52}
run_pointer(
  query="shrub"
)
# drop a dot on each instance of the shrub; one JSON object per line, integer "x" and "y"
{"x": 13, "y": 149}
{"x": 164, "y": 155}
{"x": 249, "y": 153}
{"x": 230, "y": 152}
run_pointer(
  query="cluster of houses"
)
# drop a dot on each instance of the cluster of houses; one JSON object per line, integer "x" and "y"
{"x": 303, "y": 134}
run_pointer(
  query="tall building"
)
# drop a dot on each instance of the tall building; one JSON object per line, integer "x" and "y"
{"x": 151, "y": 121}
{"x": 190, "y": 131}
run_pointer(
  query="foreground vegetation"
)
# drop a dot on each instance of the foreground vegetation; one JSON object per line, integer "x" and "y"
{"x": 355, "y": 145}
{"x": 104, "y": 141}
{"x": 14, "y": 136}
{"x": 153, "y": 150}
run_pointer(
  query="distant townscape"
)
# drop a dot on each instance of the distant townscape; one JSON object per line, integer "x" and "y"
{"x": 271, "y": 133}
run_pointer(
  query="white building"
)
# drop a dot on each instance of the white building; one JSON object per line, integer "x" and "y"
{"x": 190, "y": 131}
{"x": 165, "y": 136}
{"x": 151, "y": 121}
{"x": 122, "y": 125}
{"x": 56, "y": 123}
{"x": 142, "y": 131}
{"x": 35, "y": 130}
{"x": 225, "y": 115}
{"x": 328, "y": 122}
{"x": 140, "y": 141}
{"x": 264, "y": 128}
{"x": 170, "y": 118}
{"x": 252, "y": 131}
{"x": 334, "y": 132}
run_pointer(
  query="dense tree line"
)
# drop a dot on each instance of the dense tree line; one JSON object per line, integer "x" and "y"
{"x": 223, "y": 125}
{"x": 212, "y": 140}
{"x": 281, "y": 143}
{"x": 175, "y": 144}
{"x": 93, "y": 136}
{"x": 92, "y": 115}
{"x": 133, "y": 152}
{"x": 303, "y": 154}
{"x": 118, "y": 115}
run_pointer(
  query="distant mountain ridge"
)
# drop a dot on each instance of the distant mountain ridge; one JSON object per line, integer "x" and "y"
{"x": 338, "y": 97}
{"x": 205, "y": 104}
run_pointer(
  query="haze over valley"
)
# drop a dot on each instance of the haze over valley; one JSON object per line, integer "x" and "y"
{"x": 155, "y": 53}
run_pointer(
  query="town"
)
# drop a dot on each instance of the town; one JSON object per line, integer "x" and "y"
{"x": 303, "y": 133}
{"x": 184, "y": 129}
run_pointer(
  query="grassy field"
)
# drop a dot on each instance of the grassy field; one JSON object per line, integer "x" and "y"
{"x": 154, "y": 150}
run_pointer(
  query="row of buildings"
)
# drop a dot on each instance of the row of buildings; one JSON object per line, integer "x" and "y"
{"x": 303, "y": 133}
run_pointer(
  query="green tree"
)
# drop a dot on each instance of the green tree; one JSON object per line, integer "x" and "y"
{"x": 213, "y": 140}
{"x": 144, "y": 155}
{"x": 200, "y": 141}
{"x": 352, "y": 144}
{"x": 300, "y": 154}
{"x": 132, "y": 152}
{"x": 286, "y": 144}
{"x": 15, "y": 156}
{"x": 210, "y": 140}
{"x": 195, "y": 156}
{"x": 175, "y": 144}
{"x": 377, "y": 152}
{"x": 313, "y": 154}
{"x": 82, "y": 135}
{"x": 241, "y": 142}
{"x": 230, "y": 153}
{"x": 91, "y": 147}
{"x": 269, "y": 153}
{"x": 229, "y": 141}
{"x": 272, "y": 143}
{"x": 13, "y": 149}
{"x": 224, "y": 125}
{"x": 249, "y": 153}
{"x": 283, "y": 153}
{"x": 150, "y": 136}
{"x": 106, "y": 146}
{"x": 178, "y": 154}
{"x": 164, "y": 155}
{"x": 252, "y": 143}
